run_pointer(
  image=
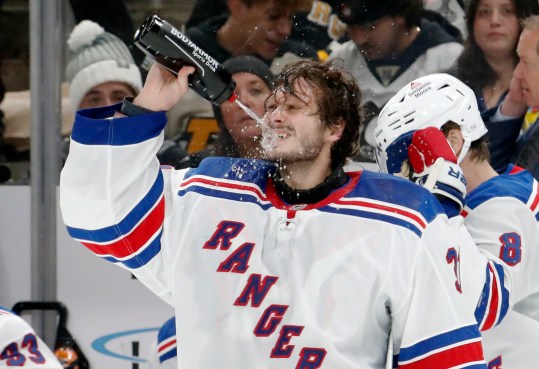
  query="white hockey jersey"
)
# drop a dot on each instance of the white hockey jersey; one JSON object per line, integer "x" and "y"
{"x": 257, "y": 283}
{"x": 21, "y": 347}
{"x": 502, "y": 216}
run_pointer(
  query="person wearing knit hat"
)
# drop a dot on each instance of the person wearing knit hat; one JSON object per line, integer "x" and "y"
{"x": 101, "y": 71}
{"x": 239, "y": 135}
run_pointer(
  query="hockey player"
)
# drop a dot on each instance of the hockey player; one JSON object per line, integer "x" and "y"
{"x": 21, "y": 347}
{"x": 435, "y": 117}
{"x": 290, "y": 264}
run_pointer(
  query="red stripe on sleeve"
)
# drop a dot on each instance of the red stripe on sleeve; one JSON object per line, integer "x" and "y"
{"x": 453, "y": 357}
{"x": 131, "y": 243}
{"x": 494, "y": 300}
{"x": 168, "y": 344}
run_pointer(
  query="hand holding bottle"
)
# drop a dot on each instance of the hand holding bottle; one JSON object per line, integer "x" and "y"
{"x": 162, "y": 89}
{"x": 172, "y": 49}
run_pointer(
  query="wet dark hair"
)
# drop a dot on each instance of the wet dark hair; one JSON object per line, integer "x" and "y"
{"x": 338, "y": 98}
{"x": 472, "y": 66}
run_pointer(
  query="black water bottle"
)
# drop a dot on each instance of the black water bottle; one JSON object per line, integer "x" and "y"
{"x": 172, "y": 49}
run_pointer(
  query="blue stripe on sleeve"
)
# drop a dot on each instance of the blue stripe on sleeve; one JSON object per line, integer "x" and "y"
{"x": 167, "y": 330}
{"x": 439, "y": 341}
{"x": 92, "y": 127}
{"x": 169, "y": 355}
{"x": 224, "y": 194}
{"x": 482, "y": 305}
{"x": 112, "y": 232}
{"x": 143, "y": 258}
{"x": 376, "y": 216}
{"x": 505, "y": 293}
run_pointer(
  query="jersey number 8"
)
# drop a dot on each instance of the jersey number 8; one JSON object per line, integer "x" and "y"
{"x": 511, "y": 248}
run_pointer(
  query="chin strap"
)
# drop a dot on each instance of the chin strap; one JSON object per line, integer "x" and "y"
{"x": 464, "y": 150}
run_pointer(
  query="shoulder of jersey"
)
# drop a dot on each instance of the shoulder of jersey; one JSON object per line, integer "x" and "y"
{"x": 234, "y": 169}
{"x": 515, "y": 183}
{"x": 5, "y": 311}
{"x": 392, "y": 190}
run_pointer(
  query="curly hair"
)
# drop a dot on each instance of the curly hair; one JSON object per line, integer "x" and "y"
{"x": 338, "y": 98}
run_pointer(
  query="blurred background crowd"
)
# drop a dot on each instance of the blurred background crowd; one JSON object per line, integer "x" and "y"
{"x": 384, "y": 44}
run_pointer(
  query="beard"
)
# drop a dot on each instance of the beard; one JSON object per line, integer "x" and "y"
{"x": 297, "y": 150}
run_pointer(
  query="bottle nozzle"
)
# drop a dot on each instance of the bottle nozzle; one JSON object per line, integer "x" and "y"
{"x": 232, "y": 97}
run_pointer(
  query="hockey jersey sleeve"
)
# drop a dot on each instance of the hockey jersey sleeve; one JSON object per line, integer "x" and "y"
{"x": 512, "y": 235}
{"x": 112, "y": 192}
{"x": 436, "y": 325}
{"x": 480, "y": 277}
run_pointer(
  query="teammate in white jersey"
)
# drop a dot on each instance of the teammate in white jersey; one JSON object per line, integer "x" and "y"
{"x": 21, "y": 347}
{"x": 436, "y": 116}
{"x": 285, "y": 264}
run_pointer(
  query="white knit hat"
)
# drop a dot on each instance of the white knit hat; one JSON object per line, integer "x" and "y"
{"x": 99, "y": 57}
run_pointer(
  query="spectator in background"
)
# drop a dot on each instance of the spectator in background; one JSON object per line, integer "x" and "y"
{"x": 20, "y": 346}
{"x": 113, "y": 16}
{"x": 320, "y": 25}
{"x": 101, "y": 70}
{"x": 451, "y": 10}
{"x": 251, "y": 27}
{"x": 510, "y": 140}
{"x": 489, "y": 56}
{"x": 239, "y": 135}
{"x": 392, "y": 43}
{"x": 317, "y": 27}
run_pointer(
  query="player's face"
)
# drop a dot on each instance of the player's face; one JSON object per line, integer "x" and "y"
{"x": 378, "y": 39}
{"x": 496, "y": 27}
{"x": 266, "y": 27}
{"x": 105, "y": 94}
{"x": 527, "y": 70}
{"x": 252, "y": 92}
{"x": 298, "y": 133}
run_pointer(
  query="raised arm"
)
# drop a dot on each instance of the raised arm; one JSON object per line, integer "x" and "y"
{"x": 113, "y": 196}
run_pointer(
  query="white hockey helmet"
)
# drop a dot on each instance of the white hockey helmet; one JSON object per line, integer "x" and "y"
{"x": 429, "y": 101}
